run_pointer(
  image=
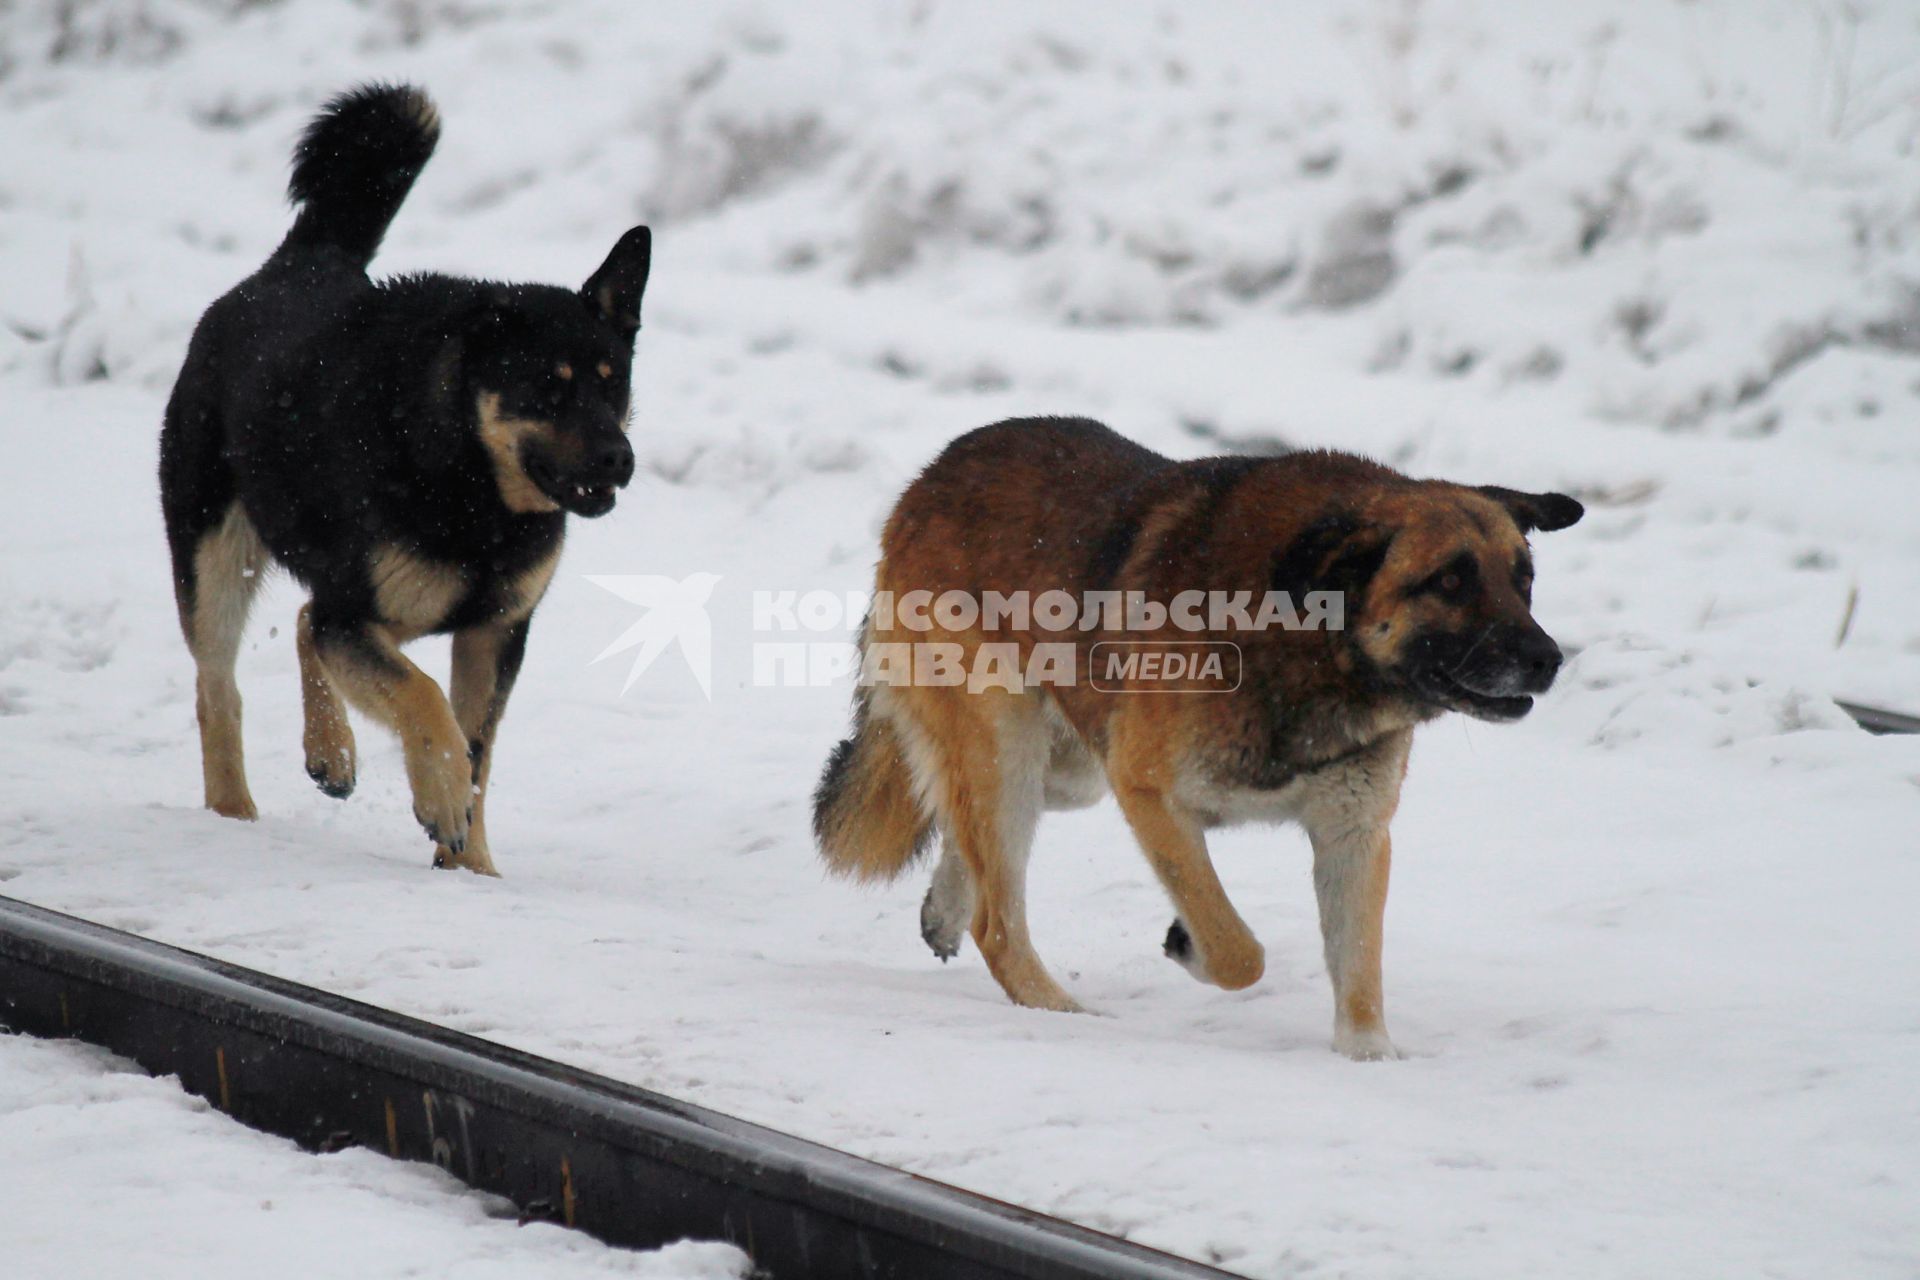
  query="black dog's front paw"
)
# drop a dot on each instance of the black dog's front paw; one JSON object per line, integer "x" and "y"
{"x": 1179, "y": 943}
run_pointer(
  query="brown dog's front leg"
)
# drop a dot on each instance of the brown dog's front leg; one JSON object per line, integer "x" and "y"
{"x": 1350, "y": 880}
{"x": 1209, "y": 940}
{"x": 1352, "y": 855}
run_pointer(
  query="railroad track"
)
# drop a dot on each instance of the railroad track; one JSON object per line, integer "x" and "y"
{"x": 1877, "y": 720}
{"x": 627, "y": 1165}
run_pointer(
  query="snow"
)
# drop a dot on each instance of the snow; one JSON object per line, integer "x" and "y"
{"x": 110, "y": 1173}
{"x": 1650, "y": 950}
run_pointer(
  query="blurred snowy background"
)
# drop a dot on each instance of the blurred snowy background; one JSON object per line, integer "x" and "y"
{"x": 1651, "y": 949}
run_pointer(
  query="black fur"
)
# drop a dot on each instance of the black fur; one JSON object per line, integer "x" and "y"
{"x": 1545, "y": 512}
{"x": 1334, "y": 553}
{"x": 354, "y": 165}
{"x": 828, "y": 792}
{"x": 343, "y": 414}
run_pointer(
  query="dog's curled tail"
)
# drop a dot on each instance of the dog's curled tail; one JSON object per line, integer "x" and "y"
{"x": 866, "y": 816}
{"x": 355, "y": 164}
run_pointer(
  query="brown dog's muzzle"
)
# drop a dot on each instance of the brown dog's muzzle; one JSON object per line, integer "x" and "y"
{"x": 1491, "y": 674}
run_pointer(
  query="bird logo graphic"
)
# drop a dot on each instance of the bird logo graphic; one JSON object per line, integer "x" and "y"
{"x": 675, "y": 612}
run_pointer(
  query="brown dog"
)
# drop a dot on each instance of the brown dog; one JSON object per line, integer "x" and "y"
{"x": 1430, "y": 581}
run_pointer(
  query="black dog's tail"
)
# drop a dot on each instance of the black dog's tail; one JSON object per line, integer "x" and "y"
{"x": 355, "y": 164}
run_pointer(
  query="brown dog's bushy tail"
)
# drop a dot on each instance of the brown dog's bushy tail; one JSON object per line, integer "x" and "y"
{"x": 354, "y": 165}
{"x": 866, "y": 816}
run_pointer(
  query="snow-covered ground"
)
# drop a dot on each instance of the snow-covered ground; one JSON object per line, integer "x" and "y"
{"x": 1650, "y": 951}
{"x": 110, "y": 1174}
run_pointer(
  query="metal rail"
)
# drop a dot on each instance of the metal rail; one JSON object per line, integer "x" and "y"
{"x": 1876, "y": 720}
{"x": 625, "y": 1164}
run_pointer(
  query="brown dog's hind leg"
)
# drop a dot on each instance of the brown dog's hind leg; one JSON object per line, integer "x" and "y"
{"x": 214, "y": 597}
{"x": 327, "y": 737}
{"x": 367, "y": 666}
{"x": 947, "y": 910}
{"x": 990, "y": 753}
{"x": 486, "y": 660}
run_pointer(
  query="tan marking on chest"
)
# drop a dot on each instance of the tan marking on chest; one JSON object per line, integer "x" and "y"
{"x": 530, "y": 587}
{"x": 414, "y": 594}
{"x": 503, "y": 437}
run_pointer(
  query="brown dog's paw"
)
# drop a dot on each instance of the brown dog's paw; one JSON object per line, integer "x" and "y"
{"x": 473, "y": 857}
{"x": 1240, "y": 969}
{"x": 941, "y": 928}
{"x": 1365, "y": 1046}
{"x": 1180, "y": 949}
{"x": 451, "y": 836}
{"x": 240, "y": 807}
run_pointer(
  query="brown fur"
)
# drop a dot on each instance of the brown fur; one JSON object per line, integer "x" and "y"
{"x": 227, "y": 565}
{"x": 478, "y": 704}
{"x": 1435, "y": 579}
{"x": 412, "y": 593}
{"x": 327, "y": 737}
{"x": 386, "y": 685}
{"x": 505, "y": 437}
{"x": 882, "y": 826}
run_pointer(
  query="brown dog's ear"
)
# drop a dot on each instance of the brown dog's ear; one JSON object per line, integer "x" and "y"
{"x": 1334, "y": 553}
{"x": 1543, "y": 511}
{"x": 614, "y": 290}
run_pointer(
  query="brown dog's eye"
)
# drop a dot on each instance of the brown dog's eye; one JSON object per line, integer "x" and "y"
{"x": 1454, "y": 581}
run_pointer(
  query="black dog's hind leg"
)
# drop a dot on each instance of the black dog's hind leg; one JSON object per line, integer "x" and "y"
{"x": 327, "y": 737}
{"x": 486, "y": 661}
{"x": 363, "y": 662}
{"x": 216, "y": 571}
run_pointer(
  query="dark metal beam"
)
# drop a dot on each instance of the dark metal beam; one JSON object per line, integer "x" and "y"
{"x": 625, "y": 1164}
{"x": 1876, "y": 720}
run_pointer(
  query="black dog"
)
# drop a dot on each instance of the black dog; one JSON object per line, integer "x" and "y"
{"x": 409, "y": 449}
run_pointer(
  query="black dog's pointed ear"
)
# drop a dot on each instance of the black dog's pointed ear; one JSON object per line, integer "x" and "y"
{"x": 1543, "y": 511}
{"x": 614, "y": 290}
